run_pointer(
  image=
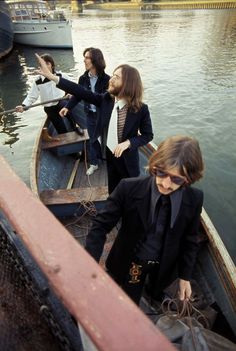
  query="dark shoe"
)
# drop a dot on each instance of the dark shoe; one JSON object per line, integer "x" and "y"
{"x": 79, "y": 130}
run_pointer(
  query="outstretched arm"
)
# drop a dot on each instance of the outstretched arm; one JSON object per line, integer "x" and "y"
{"x": 70, "y": 87}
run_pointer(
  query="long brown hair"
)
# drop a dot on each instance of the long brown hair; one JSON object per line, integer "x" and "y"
{"x": 179, "y": 151}
{"x": 97, "y": 59}
{"x": 132, "y": 87}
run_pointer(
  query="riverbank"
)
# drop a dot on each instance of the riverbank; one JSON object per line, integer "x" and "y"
{"x": 161, "y": 5}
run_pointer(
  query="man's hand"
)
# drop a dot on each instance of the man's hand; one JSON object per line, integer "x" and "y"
{"x": 185, "y": 290}
{"x": 19, "y": 108}
{"x": 120, "y": 148}
{"x": 63, "y": 112}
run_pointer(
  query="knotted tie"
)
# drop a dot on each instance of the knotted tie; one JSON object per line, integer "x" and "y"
{"x": 112, "y": 139}
{"x": 163, "y": 210}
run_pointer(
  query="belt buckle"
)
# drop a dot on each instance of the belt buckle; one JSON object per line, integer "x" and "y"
{"x": 152, "y": 262}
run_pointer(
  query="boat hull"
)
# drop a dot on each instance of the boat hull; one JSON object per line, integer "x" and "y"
{"x": 6, "y": 34}
{"x": 43, "y": 34}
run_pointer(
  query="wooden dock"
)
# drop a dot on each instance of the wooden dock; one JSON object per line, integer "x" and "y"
{"x": 161, "y": 5}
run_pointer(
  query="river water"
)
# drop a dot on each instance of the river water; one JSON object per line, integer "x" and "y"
{"x": 187, "y": 60}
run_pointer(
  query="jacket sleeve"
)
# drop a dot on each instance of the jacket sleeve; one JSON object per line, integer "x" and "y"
{"x": 73, "y": 100}
{"x": 190, "y": 243}
{"x": 80, "y": 92}
{"x": 32, "y": 95}
{"x": 104, "y": 222}
{"x": 145, "y": 130}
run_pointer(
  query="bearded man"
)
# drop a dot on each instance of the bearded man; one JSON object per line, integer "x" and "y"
{"x": 121, "y": 113}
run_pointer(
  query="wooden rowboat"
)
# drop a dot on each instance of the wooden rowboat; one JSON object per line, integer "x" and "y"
{"x": 59, "y": 180}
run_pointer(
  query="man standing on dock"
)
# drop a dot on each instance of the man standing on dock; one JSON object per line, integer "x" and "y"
{"x": 122, "y": 113}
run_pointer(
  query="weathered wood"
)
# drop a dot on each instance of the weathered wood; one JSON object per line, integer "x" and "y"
{"x": 219, "y": 254}
{"x": 73, "y": 174}
{"x": 109, "y": 317}
{"x": 98, "y": 178}
{"x": 70, "y": 196}
{"x": 66, "y": 139}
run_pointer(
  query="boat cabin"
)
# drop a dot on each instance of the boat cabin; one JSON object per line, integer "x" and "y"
{"x": 32, "y": 10}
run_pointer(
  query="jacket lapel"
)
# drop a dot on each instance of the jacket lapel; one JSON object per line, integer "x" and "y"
{"x": 143, "y": 203}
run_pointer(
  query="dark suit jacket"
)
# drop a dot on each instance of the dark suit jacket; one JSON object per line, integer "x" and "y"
{"x": 100, "y": 87}
{"x": 131, "y": 201}
{"x": 137, "y": 128}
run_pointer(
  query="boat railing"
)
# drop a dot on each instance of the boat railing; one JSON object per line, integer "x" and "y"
{"x": 107, "y": 315}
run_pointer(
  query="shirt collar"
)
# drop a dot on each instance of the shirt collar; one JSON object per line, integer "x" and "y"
{"x": 121, "y": 103}
{"x": 92, "y": 75}
{"x": 175, "y": 199}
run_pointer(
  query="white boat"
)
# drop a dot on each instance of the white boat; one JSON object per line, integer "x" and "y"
{"x": 36, "y": 25}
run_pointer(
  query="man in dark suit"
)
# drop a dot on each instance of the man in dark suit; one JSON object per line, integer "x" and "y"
{"x": 160, "y": 216}
{"x": 122, "y": 113}
{"x": 96, "y": 80}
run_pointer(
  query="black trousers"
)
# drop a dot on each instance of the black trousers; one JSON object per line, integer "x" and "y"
{"x": 136, "y": 278}
{"x": 116, "y": 170}
{"x": 58, "y": 121}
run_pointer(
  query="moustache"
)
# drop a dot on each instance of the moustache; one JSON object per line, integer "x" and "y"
{"x": 168, "y": 189}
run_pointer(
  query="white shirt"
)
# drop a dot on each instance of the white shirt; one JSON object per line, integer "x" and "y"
{"x": 45, "y": 89}
{"x": 93, "y": 81}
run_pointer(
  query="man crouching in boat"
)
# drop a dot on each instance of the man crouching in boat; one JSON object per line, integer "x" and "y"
{"x": 160, "y": 216}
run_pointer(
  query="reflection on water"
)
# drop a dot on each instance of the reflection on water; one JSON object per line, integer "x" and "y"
{"x": 187, "y": 63}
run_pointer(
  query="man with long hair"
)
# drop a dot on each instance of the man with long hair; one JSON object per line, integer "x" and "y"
{"x": 122, "y": 113}
{"x": 160, "y": 213}
{"x": 96, "y": 80}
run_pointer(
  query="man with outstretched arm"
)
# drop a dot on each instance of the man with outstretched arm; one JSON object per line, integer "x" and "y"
{"x": 122, "y": 113}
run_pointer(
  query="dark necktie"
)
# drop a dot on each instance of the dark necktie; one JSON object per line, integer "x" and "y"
{"x": 163, "y": 213}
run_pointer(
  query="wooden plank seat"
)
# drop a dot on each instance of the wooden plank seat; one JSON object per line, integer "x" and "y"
{"x": 68, "y": 138}
{"x": 72, "y": 196}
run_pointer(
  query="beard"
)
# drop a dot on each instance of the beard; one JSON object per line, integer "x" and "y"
{"x": 115, "y": 91}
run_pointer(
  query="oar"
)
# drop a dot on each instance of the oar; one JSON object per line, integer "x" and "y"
{"x": 25, "y": 108}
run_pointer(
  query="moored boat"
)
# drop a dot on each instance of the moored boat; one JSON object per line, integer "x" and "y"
{"x": 60, "y": 181}
{"x": 36, "y": 25}
{"x": 6, "y": 30}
